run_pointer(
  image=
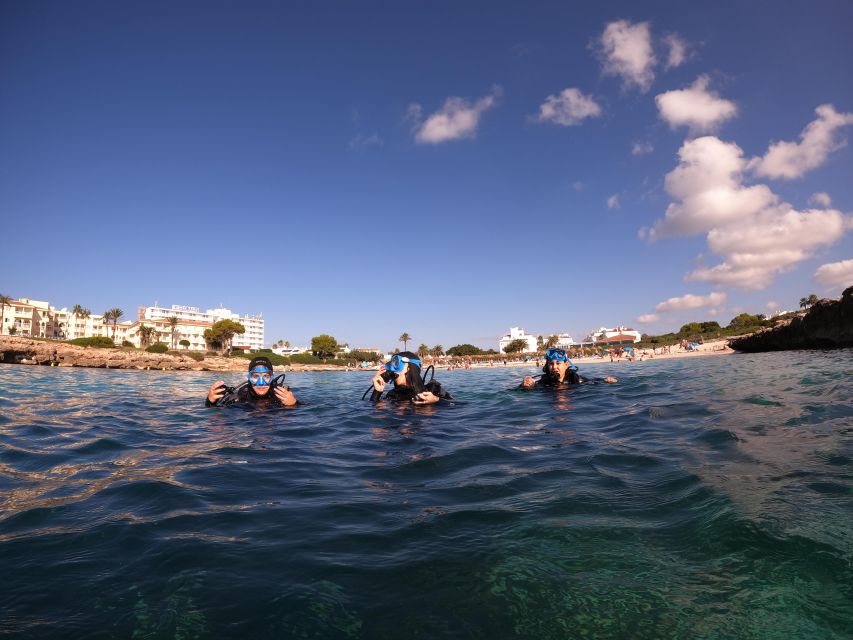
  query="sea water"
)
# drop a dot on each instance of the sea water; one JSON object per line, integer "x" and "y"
{"x": 707, "y": 497}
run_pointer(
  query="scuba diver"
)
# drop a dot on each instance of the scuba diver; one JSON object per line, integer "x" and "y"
{"x": 404, "y": 370}
{"x": 260, "y": 388}
{"x": 559, "y": 371}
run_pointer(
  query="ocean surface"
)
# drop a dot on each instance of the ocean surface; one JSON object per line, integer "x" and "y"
{"x": 709, "y": 497}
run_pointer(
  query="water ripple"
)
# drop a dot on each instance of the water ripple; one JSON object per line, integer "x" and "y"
{"x": 708, "y": 497}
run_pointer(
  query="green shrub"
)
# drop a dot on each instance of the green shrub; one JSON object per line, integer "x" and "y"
{"x": 195, "y": 355}
{"x": 127, "y": 343}
{"x": 305, "y": 358}
{"x": 277, "y": 360}
{"x": 185, "y": 344}
{"x": 157, "y": 348}
{"x": 95, "y": 341}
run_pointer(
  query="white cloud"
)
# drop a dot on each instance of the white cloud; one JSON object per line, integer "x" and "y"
{"x": 457, "y": 119}
{"x": 627, "y": 52}
{"x": 708, "y": 186}
{"x": 578, "y": 186}
{"x": 835, "y": 274}
{"x": 613, "y": 201}
{"x": 793, "y": 159}
{"x": 568, "y": 108}
{"x": 363, "y": 141}
{"x": 772, "y": 305}
{"x": 648, "y": 318}
{"x": 696, "y": 107}
{"x": 821, "y": 199}
{"x": 691, "y": 301}
{"x": 757, "y": 235}
{"x": 641, "y": 148}
{"x": 677, "y": 50}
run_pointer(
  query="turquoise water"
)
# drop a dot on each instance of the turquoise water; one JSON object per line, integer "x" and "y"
{"x": 700, "y": 498}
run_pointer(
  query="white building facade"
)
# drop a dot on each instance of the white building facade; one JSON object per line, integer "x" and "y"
{"x": 517, "y": 333}
{"x": 194, "y": 318}
{"x": 604, "y": 334}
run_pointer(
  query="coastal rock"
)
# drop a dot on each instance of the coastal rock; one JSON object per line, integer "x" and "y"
{"x": 827, "y": 325}
{"x": 20, "y": 350}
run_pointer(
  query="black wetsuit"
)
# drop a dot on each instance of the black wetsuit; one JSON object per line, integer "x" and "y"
{"x": 407, "y": 393}
{"x": 552, "y": 381}
{"x": 246, "y": 395}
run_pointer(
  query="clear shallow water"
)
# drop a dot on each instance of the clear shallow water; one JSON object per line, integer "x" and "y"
{"x": 702, "y": 498}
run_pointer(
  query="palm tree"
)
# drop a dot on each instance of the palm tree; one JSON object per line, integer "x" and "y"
{"x": 107, "y": 316}
{"x": 116, "y": 316}
{"x": 76, "y": 311}
{"x": 804, "y": 302}
{"x": 551, "y": 342}
{"x": 173, "y": 325}
{"x": 423, "y": 351}
{"x": 4, "y": 300}
{"x": 145, "y": 334}
{"x": 437, "y": 351}
{"x": 404, "y": 338}
{"x": 813, "y": 299}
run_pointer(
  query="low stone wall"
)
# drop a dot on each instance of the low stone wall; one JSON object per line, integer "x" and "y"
{"x": 19, "y": 350}
{"x": 827, "y": 325}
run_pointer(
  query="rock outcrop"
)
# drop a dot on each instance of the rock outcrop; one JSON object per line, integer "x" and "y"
{"x": 19, "y": 350}
{"x": 827, "y": 325}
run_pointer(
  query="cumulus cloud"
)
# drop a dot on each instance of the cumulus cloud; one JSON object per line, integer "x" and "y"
{"x": 458, "y": 118}
{"x": 707, "y": 184}
{"x": 791, "y": 160}
{"x": 697, "y": 107}
{"x": 772, "y": 305}
{"x": 691, "y": 301}
{"x": 821, "y": 199}
{"x": 677, "y": 49}
{"x": 647, "y": 318}
{"x": 626, "y": 50}
{"x": 835, "y": 274}
{"x": 756, "y": 234}
{"x": 613, "y": 201}
{"x": 641, "y": 148}
{"x": 568, "y": 108}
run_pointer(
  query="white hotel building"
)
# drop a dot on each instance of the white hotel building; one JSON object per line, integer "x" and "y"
{"x": 193, "y": 317}
{"x": 39, "y": 319}
{"x": 564, "y": 340}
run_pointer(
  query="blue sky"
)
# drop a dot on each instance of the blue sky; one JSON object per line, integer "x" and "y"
{"x": 447, "y": 169}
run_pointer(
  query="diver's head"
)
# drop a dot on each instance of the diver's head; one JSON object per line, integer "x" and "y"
{"x": 260, "y": 375}
{"x": 556, "y": 363}
{"x": 403, "y": 367}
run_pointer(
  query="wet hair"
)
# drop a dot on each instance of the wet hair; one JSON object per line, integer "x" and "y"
{"x": 260, "y": 361}
{"x": 413, "y": 376}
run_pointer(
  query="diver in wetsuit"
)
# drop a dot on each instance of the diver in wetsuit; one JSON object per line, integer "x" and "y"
{"x": 560, "y": 372}
{"x": 259, "y": 389}
{"x": 404, "y": 370}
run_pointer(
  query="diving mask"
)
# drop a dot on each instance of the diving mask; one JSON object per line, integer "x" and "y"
{"x": 397, "y": 363}
{"x": 260, "y": 377}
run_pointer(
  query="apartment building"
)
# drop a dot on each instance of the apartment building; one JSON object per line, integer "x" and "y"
{"x": 193, "y": 318}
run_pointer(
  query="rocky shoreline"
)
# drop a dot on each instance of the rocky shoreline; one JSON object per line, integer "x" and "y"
{"x": 827, "y": 325}
{"x": 27, "y": 351}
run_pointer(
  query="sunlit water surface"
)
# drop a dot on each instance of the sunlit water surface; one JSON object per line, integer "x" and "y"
{"x": 700, "y": 498}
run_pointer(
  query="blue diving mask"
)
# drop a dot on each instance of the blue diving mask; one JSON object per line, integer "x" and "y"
{"x": 260, "y": 377}
{"x": 397, "y": 363}
{"x": 560, "y": 356}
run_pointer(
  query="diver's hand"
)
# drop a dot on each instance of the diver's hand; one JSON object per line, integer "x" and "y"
{"x": 426, "y": 397}
{"x": 528, "y": 382}
{"x": 610, "y": 379}
{"x": 378, "y": 382}
{"x": 217, "y": 390}
{"x": 285, "y": 396}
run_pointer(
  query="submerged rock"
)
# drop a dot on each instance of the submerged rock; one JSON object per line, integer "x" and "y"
{"x": 827, "y": 325}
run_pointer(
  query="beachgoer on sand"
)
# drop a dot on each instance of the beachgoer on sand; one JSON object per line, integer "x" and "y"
{"x": 260, "y": 388}
{"x": 404, "y": 370}
{"x": 560, "y": 372}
